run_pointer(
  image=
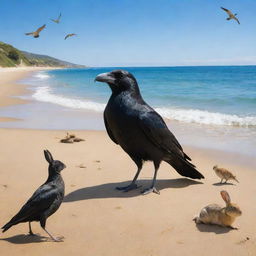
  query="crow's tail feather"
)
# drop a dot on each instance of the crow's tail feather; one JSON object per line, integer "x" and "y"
{"x": 6, "y": 226}
{"x": 14, "y": 221}
{"x": 185, "y": 168}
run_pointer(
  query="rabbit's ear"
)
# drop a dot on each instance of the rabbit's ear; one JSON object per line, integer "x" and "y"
{"x": 225, "y": 196}
{"x": 48, "y": 156}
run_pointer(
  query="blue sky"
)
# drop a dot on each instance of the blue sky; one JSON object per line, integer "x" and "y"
{"x": 134, "y": 32}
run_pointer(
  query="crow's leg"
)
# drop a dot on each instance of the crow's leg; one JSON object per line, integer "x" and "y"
{"x": 57, "y": 239}
{"x": 30, "y": 229}
{"x": 133, "y": 184}
{"x": 221, "y": 181}
{"x": 152, "y": 188}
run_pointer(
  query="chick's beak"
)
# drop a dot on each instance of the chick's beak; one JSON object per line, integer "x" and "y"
{"x": 105, "y": 77}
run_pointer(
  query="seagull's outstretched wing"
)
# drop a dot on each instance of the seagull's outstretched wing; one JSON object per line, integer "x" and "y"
{"x": 28, "y": 34}
{"x": 40, "y": 29}
{"x": 69, "y": 35}
{"x": 227, "y": 11}
{"x": 237, "y": 20}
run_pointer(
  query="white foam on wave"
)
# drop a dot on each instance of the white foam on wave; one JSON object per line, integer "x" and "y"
{"x": 196, "y": 116}
{"x": 206, "y": 117}
{"x": 44, "y": 94}
{"x": 41, "y": 75}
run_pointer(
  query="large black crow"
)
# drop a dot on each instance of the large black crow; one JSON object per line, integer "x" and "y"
{"x": 141, "y": 131}
{"x": 45, "y": 201}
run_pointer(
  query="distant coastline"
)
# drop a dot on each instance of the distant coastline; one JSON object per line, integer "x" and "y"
{"x": 12, "y": 57}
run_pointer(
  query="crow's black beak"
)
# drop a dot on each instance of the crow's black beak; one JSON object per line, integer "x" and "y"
{"x": 105, "y": 77}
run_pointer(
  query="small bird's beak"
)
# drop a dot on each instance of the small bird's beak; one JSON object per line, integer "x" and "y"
{"x": 105, "y": 77}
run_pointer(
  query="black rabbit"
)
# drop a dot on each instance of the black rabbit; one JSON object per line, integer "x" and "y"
{"x": 45, "y": 201}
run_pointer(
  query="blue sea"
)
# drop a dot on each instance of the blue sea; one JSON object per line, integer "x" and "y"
{"x": 203, "y": 95}
{"x": 212, "y": 101}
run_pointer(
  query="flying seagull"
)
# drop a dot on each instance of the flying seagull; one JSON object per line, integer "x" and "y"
{"x": 140, "y": 130}
{"x": 36, "y": 33}
{"x": 58, "y": 20}
{"x": 231, "y": 15}
{"x": 69, "y": 35}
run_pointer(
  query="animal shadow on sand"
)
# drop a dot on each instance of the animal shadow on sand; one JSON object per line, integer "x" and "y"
{"x": 26, "y": 239}
{"x": 223, "y": 184}
{"x": 108, "y": 190}
{"x": 213, "y": 228}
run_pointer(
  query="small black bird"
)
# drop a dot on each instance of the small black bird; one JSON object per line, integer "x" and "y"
{"x": 45, "y": 201}
{"x": 141, "y": 131}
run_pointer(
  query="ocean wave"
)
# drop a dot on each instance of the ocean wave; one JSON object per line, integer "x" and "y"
{"x": 196, "y": 116}
{"x": 41, "y": 75}
{"x": 206, "y": 117}
{"x": 44, "y": 94}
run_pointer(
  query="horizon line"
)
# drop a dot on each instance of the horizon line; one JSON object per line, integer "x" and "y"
{"x": 174, "y": 66}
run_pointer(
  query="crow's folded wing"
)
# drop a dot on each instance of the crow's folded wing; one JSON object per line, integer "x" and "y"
{"x": 110, "y": 134}
{"x": 158, "y": 133}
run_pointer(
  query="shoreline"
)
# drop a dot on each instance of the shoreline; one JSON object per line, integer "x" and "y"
{"x": 10, "y": 88}
{"x": 57, "y": 117}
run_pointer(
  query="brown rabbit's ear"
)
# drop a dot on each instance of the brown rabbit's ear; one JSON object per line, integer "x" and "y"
{"x": 48, "y": 156}
{"x": 225, "y": 196}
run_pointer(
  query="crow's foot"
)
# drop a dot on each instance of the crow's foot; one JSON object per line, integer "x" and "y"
{"x": 150, "y": 190}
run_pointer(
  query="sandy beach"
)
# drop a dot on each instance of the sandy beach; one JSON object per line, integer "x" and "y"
{"x": 9, "y": 89}
{"x": 96, "y": 219}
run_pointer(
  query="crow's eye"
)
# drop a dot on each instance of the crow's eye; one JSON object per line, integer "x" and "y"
{"x": 118, "y": 75}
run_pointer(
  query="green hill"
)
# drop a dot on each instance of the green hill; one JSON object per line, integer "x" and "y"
{"x": 12, "y": 57}
{"x": 44, "y": 60}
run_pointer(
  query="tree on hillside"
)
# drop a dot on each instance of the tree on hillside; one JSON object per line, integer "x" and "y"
{"x": 13, "y": 55}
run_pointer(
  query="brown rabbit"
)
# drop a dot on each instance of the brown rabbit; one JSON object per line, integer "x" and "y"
{"x": 222, "y": 216}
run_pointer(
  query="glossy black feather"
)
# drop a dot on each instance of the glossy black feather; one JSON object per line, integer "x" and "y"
{"x": 46, "y": 199}
{"x": 138, "y": 128}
